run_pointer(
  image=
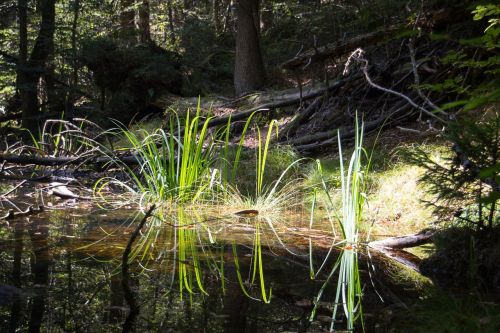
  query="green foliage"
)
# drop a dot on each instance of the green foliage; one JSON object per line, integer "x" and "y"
{"x": 132, "y": 75}
{"x": 205, "y": 57}
{"x": 471, "y": 174}
{"x": 480, "y": 85}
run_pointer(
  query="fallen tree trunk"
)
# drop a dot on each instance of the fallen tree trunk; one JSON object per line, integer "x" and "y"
{"x": 65, "y": 160}
{"x": 286, "y": 99}
{"x": 335, "y": 50}
{"x": 403, "y": 242}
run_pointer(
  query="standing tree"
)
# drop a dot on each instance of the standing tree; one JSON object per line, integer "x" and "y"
{"x": 249, "y": 71}
{"x": 36, "y": 66}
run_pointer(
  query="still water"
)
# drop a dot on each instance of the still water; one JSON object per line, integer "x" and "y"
{"x": 61, "y": 271}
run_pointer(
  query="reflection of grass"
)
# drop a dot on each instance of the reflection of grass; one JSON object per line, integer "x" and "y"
{"x": 256, "y": 266}
{"x": 188, "y": 247}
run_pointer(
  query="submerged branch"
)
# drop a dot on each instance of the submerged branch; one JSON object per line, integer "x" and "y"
{"x": 127, "y": 291}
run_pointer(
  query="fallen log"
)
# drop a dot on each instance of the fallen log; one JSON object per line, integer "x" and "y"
{"x": 336, "y": 50}
{"x": 286, "y": 99}
{"x": 65, "y": 160}
{"x": 403, "y": 257}
{"x": 403, "y": 242}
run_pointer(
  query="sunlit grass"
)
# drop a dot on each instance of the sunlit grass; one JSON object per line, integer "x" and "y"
{"x": 348, "y": 217}
{"x": 175, "y": 165}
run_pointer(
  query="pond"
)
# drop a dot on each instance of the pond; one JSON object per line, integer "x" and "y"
{"x": 188, "y": 271}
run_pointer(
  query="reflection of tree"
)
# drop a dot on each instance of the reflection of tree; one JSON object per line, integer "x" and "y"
{"x": 235, "y": 303}
{"x": 40, "y": 268}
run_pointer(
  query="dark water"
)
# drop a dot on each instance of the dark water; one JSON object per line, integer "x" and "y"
{"x": 60, "y": 271}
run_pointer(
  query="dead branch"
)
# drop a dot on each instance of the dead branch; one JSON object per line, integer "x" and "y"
{"x": 292, "y": 127}
{"x": 358, "y": 55}
{"x": 335, "y": 50}
{"x": 127, "y": 291}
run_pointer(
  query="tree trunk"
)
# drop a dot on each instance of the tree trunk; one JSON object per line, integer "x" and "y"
{"x": 144, "y": 26}
{"x": 37, "y": 65}
{"x": 249, "y": 71}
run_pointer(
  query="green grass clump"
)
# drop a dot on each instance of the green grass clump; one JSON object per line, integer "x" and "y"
{"x": 348, "y": 217}
{"x": 189, "y": 163}
{"x": 174, "y": 165}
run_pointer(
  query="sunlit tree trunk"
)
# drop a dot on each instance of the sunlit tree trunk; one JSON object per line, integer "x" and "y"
{"x": 171, "y": 26}
{"x": 22, "y": 12}
{"x": 249, "y": 71}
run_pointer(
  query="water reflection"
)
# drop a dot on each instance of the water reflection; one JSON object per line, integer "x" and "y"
{"x": 188, "y": 272}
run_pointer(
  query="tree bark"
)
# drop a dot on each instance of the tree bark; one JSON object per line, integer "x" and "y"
{"x": 22, "y": 12}
{"x": 249, "y": 71}
{"x": 171, "y": 26}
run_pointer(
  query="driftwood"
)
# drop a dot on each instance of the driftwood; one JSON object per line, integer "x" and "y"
{"x": 336, "y": 50}
{"x": 403, "y": 242}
